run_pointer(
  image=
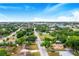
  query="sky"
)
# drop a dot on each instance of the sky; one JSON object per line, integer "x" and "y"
{"x": 24, "y": 12}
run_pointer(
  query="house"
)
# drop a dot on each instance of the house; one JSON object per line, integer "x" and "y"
{"x": 58, "y": 46}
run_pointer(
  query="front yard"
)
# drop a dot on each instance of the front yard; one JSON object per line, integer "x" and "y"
{"x": 33, "y": 46}
{"x": 46, "y": 35}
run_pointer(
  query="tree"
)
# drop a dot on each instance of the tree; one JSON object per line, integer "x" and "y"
{"x": 20, "y": 40}
{"x": 42, "y": 28}
{"x": 46, "y": 42}
{"x": 31, "y": 38}
{"x": 76, "y": 33}
{"x": 20, "y": 33}
{"x": 73, "y": 42}
{"x": 29, "y": 33}
{"x": 53, "y": 33}
{"x": 63, "y": 38}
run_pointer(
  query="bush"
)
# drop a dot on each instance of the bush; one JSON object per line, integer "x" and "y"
{"x": 31, "y": 38}
{"x": 20, "y": 34}
{"x": 20, "y": 40}
{"x": 3, "y": 52}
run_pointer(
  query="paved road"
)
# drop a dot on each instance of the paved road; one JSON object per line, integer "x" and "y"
{"x": 42, "y": 50}
{"x": 23, "y": 50}
{"x": 65, "y": 53}
{"x": 12, "y": 33}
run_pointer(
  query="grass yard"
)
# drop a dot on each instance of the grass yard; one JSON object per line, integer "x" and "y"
{"x": 15, "y": 50}
{"x": 53, "y": 53}
{"x": 35, "y": 54}
{"x": 33, "y": 46}
{"x": 45, "y": 36}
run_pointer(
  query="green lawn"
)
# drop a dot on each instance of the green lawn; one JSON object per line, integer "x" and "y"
{"x": 43, "y": 36}
{"x": 35, "y": 54}
{"x": 53, "y": 53}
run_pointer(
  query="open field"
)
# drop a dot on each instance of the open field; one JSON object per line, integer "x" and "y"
{"x": 46, "y": 35}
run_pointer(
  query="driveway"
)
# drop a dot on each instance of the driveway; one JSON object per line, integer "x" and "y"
{"x": 65, "y": 53}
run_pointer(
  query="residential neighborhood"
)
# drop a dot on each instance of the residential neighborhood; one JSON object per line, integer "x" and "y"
{"x": 39, "y": 39}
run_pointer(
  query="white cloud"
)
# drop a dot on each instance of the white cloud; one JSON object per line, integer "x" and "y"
{"x": 73, "y": 18}
{"x": 76, "y": 15}
{"x": 39, "y": 20}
